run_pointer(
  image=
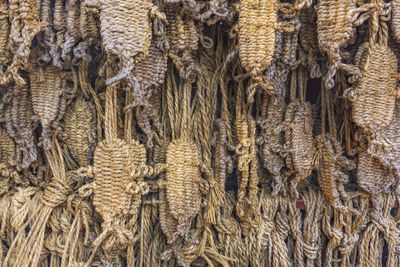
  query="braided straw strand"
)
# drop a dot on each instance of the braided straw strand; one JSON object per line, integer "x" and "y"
{"x": 4, "y": 34}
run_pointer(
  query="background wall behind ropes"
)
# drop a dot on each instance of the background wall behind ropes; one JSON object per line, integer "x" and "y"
{"x": 199, "y": 133}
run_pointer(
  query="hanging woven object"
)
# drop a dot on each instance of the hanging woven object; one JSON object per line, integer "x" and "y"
{"x": 25, "y": 25}
{"x": 308, "y": 40}
{"x": 373, "y": 177}
{"x": 18, "y": 115}
{"x": 299, "y": 148}
{"x": 182, "y": 184}
{"x": 331, "y": 176}
{"x": 373, "y": 95}
{"x": 48, "y": 93}
{"x": 335, "y": 26}
{"x": 271, "y": 141}
{"x": 72, "y": 33}
{"x": 258, "y": 21}
{"x": 183, "y": 37}
{"x": 390, "y": 158}
{"x": 80, "y": 130}
{"x": 395, "y": 21}
{"x": 8, "y": 157}
{"x": 126, "y": 31}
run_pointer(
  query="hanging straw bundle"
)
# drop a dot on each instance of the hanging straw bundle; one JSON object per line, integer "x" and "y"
{"x": 395, "y": 22}
{"x": 335, "y": 23}
{"x": 25, "y": 25}
{"x": 48, "y": 93}
{"x": 72, "y": 33}
{"x": 372, "y": 177}
{"x": 308, "y": 40}
{"x": 271, "y": 140}
{"x": 126, "y": 31}
{"x": 4, "y": 34}
{"x": 299, "y": 146}
{"x": 331, "y": 177}
{"x": 8, "y": 159}
{"x": 80, "y": 130}
{"x": 390, "y": 158}
{"x": 20, "y": 125}
{"x": 258, "y": 21}
{"x": 373, "y": 96}
{"x": 27, "y": 245}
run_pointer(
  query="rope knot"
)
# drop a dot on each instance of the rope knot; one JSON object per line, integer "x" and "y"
{"x": 310, "y": 251}
{"x": 56, "y": 193}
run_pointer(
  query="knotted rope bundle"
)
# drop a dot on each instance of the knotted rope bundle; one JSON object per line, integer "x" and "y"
{"x": 27, "y": 245}
{"x": 246, "y": 207}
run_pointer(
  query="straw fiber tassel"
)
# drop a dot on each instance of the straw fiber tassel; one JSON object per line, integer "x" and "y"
{"x": 25, "y": 24}
{"x": 80, "y": 130}
{"x": 299, "y": 148}
{"x": 331, "y": 177}
{"x": 182, "y": 183}
{"x": 373, "y": 96}
{"x": 28, "y": 244}
{"x": 4, "y": 34}
{"x": 126, "y": 31}
{"x": 335, "y": 29}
